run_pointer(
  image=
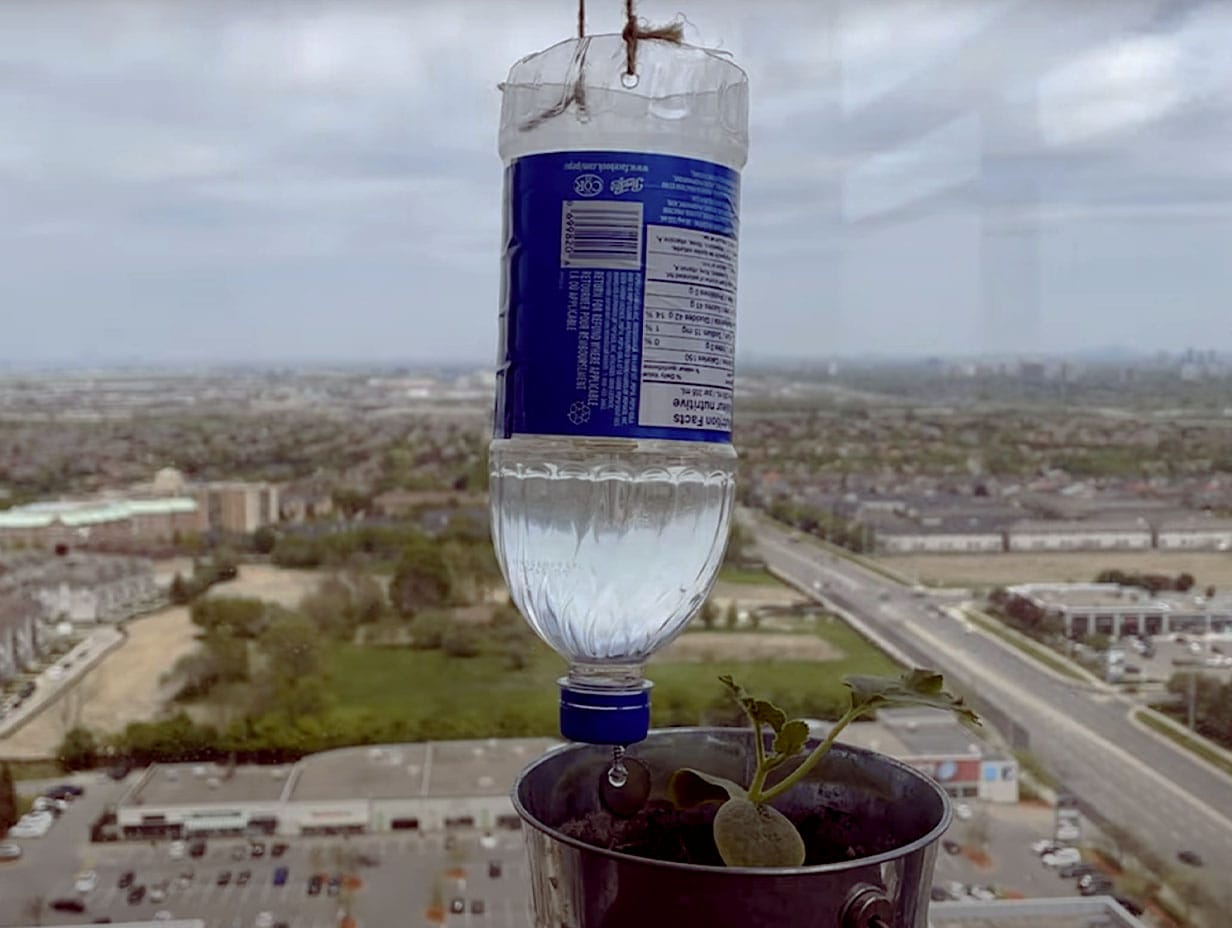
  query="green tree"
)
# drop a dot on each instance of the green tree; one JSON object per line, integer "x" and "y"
{"x": 732, "y": 618}
{"x": 293, "y": 683}
{"x": 709, "y": 614}
{"x": 245, "y": 617}
{"x": 8, "y": 799}
{"x": 428, "y": 630}
{"x": 462, "y": 641}
{"x": 179, "y": 592}
{"x": 264, "y": 540}
{"x": 78, "y": 750}
{"x": 422, "y": 580}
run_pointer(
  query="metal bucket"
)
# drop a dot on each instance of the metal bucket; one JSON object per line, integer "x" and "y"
{"x": 577, "y": 885}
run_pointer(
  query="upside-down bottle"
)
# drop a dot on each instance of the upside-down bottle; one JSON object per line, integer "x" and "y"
{"x": 612, "y": 469}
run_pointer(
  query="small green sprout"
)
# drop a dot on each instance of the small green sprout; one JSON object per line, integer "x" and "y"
{"x": 748, "y": 831}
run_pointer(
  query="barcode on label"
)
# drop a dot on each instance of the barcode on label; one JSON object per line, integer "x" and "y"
{"x": 601, "y": 233}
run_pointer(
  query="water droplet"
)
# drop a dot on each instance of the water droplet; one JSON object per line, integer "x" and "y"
{"x": 628, "y": 81}
{"x": 618, "y": 773}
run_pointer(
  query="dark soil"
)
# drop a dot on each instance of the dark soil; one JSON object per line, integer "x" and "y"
{"x": 660, "y": 831}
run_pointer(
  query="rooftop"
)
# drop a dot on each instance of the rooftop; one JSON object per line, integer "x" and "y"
{"x": 90, "y": 512}
{"x": 189, "y": 784}
{"x": 436, "y": 768}
{"x": 908, "y": 733}
{"x": 1059, "y": 912}
{"x": 1071, "y": 527}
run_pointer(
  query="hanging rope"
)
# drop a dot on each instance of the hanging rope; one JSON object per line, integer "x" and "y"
{"x": 635, "y": 32}
{"x": 581, "y": 19}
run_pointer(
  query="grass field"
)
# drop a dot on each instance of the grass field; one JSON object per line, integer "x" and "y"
{"x": 428, "y": 686}
{"x": 978, "y": 570}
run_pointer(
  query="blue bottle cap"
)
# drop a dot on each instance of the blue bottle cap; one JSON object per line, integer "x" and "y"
{"x": 604, "y": 716}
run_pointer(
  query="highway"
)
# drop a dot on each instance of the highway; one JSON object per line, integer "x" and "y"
{"x": 1082, "y": 734}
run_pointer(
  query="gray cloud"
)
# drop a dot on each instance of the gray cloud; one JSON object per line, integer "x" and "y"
{"x": 310, "y": 179}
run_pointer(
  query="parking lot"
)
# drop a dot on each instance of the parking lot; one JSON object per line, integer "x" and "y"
{"x": 404, "y": 877}
{"x": 1012, "y": 868}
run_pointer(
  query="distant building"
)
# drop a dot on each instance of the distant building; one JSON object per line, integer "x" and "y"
{"x": 938, "y": 535}
{"x": 22, "y": 636}
{"x": 933, "y": 742}
{"x": 1194, "y": 532}
{"x": 98, "y": 523}
{"x": 83, "y": 588}
{"x": 429, "y": 786}
{"x": 238, "y": 507}
{"x": 1132, "y": 534}
{"x": 1110, "y": 609}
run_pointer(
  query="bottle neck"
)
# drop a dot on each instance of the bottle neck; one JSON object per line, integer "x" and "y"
{"x": 606, "y": 677}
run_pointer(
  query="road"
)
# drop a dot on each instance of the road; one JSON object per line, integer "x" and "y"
{"x": 1082, "y": 734}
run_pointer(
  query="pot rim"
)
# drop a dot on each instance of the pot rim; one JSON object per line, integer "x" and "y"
{"x": 931, "y": 837}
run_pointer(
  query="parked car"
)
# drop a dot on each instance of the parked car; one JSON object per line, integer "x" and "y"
{"x": 10, "y": 852}
{"x": 1193, "y": 858}
{"x": 1074, "y": 871}
{"x": 335, "y": 884}
{"x": 85, "y": 881}
{"x": 243, "y": 877}
{"x": 457, "y": 905}
{"x": 256, "y": 849}
{"x": 315, "y": 883}
{"x": 477, "y": 907}
{"x": 1068, "y": 831}
{"x": 1099, "y": 887}
{"x": 264, "y": 920}
{"x": 68, "y": 905}
{"x": 1044, "y": 846}
{"x": 279, "y": 848}
{"x": 982, "y": 893}
{"x": 494, "y": 868}
{"x": 176, "y": 850}
{"x": 186, "y": 878}
{"x": 951, "y": 847}
{"x": 1062, "y": 857}
{"x": 126, "y": 879}
{"x": 196, "y": 849}
{"x": 158, "y": 892}
{"x": 962, "y": 811}
{"x": 136, "y": 894}
{"x": 224, "y": 878}
{"x": 280, "y": 876}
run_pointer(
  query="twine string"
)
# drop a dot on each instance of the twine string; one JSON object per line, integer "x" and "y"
{"x": 636, "y": 31}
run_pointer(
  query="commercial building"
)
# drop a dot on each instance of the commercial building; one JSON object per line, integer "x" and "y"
{"x": 108, "y": 523}
{"x": 1194, "y": 533}
{"x": 1058, "y": 912}
{"x": 82, "y": 588}
{"x": 396, "y": 787}
{"x": 1128, "y": 534}
{"x": 237, "y": 507}
{"x": 935, "y": 743}
{"x": 1110, "y": 609}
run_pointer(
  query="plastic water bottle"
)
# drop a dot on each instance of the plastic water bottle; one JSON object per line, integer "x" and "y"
{"x": 612, "y": 469}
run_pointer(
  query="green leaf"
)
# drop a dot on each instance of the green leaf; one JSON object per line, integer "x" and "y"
{"x": 689, "y": 787}
{"x": 756, "y": 835}
{"x": 758, "y": 710}
{"x": 913, "y": 688}
{"x": 791, "y": 738}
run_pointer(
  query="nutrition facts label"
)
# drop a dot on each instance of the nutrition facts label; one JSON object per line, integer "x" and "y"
{"x": 688, "y": 329}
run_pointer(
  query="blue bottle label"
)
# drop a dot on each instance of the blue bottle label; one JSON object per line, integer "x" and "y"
{"x": 618, "y": 303}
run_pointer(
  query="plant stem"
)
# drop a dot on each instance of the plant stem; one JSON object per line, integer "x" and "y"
{"x": 759, "y": 744}
{"x": 755, "y": 794}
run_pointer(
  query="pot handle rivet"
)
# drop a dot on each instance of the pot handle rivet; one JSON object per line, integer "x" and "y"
{"x": 867, "y": 907}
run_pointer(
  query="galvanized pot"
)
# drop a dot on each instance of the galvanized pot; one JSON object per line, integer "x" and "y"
{"x": 577, "y": 885}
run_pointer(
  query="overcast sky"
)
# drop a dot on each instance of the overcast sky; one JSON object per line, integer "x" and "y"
{"x": 212, "y": 180}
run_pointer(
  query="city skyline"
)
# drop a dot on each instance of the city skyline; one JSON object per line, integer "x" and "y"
{"x": 248, "y": 183}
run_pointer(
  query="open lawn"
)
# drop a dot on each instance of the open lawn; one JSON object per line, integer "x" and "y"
{"x": 428, "y": 687}
{"x": 983, "y": 570}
